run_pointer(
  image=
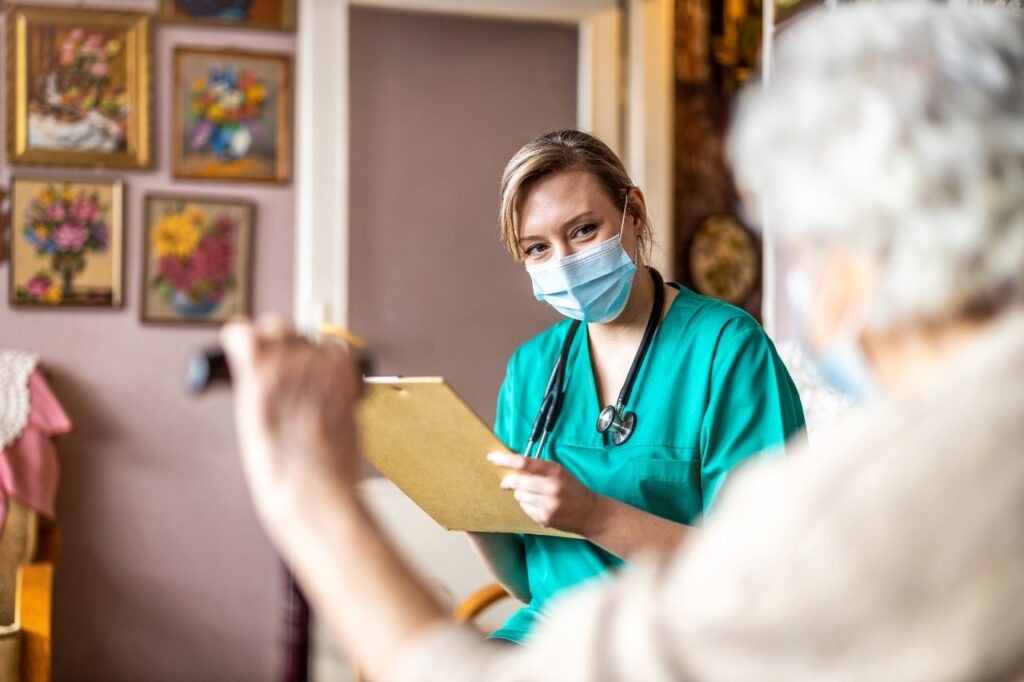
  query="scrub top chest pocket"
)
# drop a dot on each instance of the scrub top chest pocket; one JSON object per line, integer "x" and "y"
{"x": 665, "y": 481}
{"x": 662, "y": 480}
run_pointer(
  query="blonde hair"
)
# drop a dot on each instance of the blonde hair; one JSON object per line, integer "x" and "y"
{"x": 560, "y": 151}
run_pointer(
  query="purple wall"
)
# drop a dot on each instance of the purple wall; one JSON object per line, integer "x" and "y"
{"x": 165, "y": 574}
{"x": 431, "y": 286}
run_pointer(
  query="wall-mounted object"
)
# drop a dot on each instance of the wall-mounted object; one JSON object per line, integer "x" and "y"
{"x": 66, "y": 243}
{"x": 198, "y": 259}
{"x": 267, "y": 14}
{"x": 232, "y": 115}
{"x": 724, "y": 261}
{"x": 78, "y": 87}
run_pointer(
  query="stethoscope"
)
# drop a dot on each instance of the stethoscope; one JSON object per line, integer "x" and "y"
{"x": 614, "y": 419}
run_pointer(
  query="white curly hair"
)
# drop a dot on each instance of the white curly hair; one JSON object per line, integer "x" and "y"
{"x": 898, "y": 128}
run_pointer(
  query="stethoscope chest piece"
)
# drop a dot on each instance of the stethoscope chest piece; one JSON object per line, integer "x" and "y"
{"x": 614, "y": 419}
{"x": 619, "y": 423}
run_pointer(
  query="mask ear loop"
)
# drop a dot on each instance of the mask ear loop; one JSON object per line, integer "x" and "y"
{"x": 622, "y": 228}
{"x": 625, "y": 205}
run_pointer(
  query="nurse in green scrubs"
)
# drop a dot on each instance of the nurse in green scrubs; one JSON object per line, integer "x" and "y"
{"x": 710, "y": 391}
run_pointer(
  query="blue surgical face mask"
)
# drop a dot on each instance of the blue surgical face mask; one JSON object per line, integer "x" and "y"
{"x": 842, "y": 365}
{"x": 592, "y": 285}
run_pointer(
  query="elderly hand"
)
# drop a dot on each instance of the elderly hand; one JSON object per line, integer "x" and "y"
{"x": 548, "y": 492}
{"x": 293, "y": 413}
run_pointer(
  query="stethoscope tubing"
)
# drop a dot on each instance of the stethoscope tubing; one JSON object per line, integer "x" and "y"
{"x": 621, "y": 423}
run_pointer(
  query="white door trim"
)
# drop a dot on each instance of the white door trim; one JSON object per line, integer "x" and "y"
{"x": 650, "y": 142}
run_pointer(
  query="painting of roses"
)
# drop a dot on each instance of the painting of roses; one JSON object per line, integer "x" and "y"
{"x": 66, "y": 243}
{"x": 78, "y": 87}
{"x": 198, "y": 253}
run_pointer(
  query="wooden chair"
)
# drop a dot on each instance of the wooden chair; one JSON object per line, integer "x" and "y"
{"x": 28, "y": 552}
{"x": 475, "y": 604}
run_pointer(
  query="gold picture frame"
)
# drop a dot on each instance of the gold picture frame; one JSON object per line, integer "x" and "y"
{"x": 78, "y": 87}
{"x": 67, "y": 242}
{"x": 275, "y": 15}
{"x": 232, "y": 115}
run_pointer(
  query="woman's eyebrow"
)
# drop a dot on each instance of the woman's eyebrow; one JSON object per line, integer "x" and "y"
{"x": 571, "y": 222}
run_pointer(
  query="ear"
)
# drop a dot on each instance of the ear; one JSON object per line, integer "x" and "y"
{"x": 636, "y": 207}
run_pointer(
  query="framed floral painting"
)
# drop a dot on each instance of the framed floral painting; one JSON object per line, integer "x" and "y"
{"x": 66, "y": 243}
{"x": 272, "y": 14}
{"x": 78, "y": 87}
{"x": 232, "y": 115}
{"x": 198, "y": 259}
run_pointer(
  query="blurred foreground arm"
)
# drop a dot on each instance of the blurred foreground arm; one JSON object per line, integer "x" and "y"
{"x": 294, "y": 418}
{"x": 804, "y": 571}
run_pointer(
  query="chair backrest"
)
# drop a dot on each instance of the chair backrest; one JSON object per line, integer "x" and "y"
{"x": 478, "y": 602}
{"x": 19, "y": 539}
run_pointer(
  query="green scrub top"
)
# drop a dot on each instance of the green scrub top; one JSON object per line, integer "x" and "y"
{"x": 711, "y": 392}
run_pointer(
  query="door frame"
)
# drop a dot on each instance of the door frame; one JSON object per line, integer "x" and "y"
{"x": 321, "y": 287}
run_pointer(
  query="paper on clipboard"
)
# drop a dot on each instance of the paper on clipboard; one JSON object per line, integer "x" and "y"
{"x": 428, "y": 442}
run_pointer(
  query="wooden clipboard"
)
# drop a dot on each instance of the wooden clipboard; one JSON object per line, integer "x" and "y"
{"x": 421, "y": 435}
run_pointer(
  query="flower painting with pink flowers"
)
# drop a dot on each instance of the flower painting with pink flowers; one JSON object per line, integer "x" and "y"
{"x": 197, "y": 259}
{"x": 81, "y": 87}
{"x": 66, "y": 243}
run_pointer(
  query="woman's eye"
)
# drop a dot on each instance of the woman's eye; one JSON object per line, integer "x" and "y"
{"x": 535, "y": 250}
{"x": 584, "y": 230}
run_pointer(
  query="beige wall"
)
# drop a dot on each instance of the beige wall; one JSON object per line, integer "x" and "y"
{"x": 165, "y": 574}
{"x": 431, "y": 286}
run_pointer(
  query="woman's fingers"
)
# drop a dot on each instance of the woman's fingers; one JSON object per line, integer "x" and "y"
{"x": 530, "y": 465}
{"x": 531, "y": 483}
{"x": 536, "y": 514}
{"x": 539, "y": 500}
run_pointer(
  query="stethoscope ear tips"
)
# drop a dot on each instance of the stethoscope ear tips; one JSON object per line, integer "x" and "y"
{"x": 620, "y": 424}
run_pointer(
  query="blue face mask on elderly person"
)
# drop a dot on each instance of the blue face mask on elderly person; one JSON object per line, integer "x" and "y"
{"x": 592, "y": 285}
{"x": 842, "y": 365}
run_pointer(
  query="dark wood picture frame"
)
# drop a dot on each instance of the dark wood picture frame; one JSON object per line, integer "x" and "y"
{"x": 200, "y": 166}
{"x": 244, "y": 259}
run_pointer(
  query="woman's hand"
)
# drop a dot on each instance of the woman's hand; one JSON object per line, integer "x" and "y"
{"x": 548, "y": 492}
{"x": 294, "y": 402}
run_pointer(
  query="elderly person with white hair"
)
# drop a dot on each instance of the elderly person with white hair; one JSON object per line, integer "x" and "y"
{"x": 890, "y": 151}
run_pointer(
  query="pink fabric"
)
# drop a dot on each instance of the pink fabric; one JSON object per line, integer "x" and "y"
{"x": 29, "y": 469}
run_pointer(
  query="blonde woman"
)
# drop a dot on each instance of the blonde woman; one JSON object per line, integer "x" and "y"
{"x": 662, "y": 392}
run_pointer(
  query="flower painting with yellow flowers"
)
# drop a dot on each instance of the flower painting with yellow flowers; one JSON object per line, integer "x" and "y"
{"x": 198, "y": 253}
{"x": 232, "y": 115}
{"x": 78, "y": 87}
{"x": 66, "y": 243}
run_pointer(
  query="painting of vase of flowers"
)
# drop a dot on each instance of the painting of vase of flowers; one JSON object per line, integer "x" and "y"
{"x": 198, "y": 254}
{"x": 79, "y": 87}
{"x": 66, "y": 239}
{"x": 232, "y": 115}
